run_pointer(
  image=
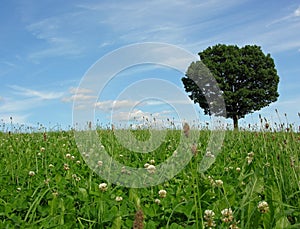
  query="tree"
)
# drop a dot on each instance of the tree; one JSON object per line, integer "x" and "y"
{"x": 246, "y": 77}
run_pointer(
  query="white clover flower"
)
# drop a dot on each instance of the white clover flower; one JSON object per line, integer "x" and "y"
{"x": 99, "y": 163}
{"x": 250, "y": 157}
{"x": 151, "y": 169}
{"x": 119, "y": 198}
{"x": 19, "y": 189}
{"x": 238, "y": 169}
{"x": 47, "y": 181}
{"x": 175, "y": 153}
{"x": 157, "y": 201}
{"x": 209, "y": 217}
{"x": 263, "y": 206}
{"x": 42, "y": 149}
{"x": 227, "y": 215}
{"x": 226, "y": 212}
{"x": 152, "y": 161}
{"x": 68, "y": 155}
{"x": 66, "y": 167}
{"x": 209, "y": 213}
{"x": 219, "y": 183}
{"x": 103, "y": 187}
{"x": 72, "y": 157}
{"x": 51, "y": 166}
{"x": 55, "y": 193}
{"x": 209, "y": 154}
{"x": 78, "y": 162}
{"x": 146, "y": 165}
{"x": 162, "y": 193}
{"x": 31, "y": 173}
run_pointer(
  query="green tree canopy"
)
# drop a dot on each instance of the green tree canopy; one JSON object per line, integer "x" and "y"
{"x": 246, "y": 77}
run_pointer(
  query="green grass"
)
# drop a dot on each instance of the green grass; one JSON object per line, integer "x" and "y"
{"x": 60, "y": 196}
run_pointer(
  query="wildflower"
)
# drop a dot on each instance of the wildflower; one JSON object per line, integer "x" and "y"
{"x": 175, "y": 153}
{"x": 219, "y": 183}
{"x": 146, "y": 165}
{"x": 138, "y": 220}
{"x": 119, "y": 198}
{"x": 51, "y": 166}
{"x": 152, "y": 161}
{"x": 124, "y": 170}
{"x": 121, "y": 155}
{"x": 103, "y": 187}
{"x": 209, "y": 154}
{"x": 99, "y": 163}
{"x": 31, "y": 173}
{"x": 78, "y": 162}
{"x": 72, "y": 157}
{"x": 68, "y": 155}
{"x": 250, "y": 157}
{"x": 42, "y": 149}
{"x": 263, "y": 206}
{"x": 209, "y": 218}
{"x": 55, "y": 193}
{"x": 227, "y": 215}
{"x": 77, "y": 178}
{"x": 47, "y": 181}
{"x": 211, "y": 180}
{"x": 66, "y": 167}
{"x": 19, "y": 189}
{"x": 238, "y": 169}
{"x": 151, "y": 169}
{"x": 162, "y": 193}
{"x": 234, "y": 226}
{"x": 157, "y": 201}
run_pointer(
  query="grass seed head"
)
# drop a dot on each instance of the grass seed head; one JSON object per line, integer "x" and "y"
{"x": 138, "y": 220}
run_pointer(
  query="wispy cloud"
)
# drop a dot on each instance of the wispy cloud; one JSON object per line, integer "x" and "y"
{"x": 79, "y": 95}
{"x": 109, "y": 105}
{"x": 21, "y": 102}
{"x": 37, "y": 94}
{"x": 295, "y": 15}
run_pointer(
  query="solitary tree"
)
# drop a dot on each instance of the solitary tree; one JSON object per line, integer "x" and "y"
{"x": 246, "y": 77}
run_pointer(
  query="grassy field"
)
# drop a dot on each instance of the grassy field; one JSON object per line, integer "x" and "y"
{"x": 254, "y": 183}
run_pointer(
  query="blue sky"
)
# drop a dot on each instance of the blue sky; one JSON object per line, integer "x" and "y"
{"x": 48, "y": 46}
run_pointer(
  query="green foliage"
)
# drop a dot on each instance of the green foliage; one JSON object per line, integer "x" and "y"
{"x": 246, "y": 76}
{"x": 56, "y": 198}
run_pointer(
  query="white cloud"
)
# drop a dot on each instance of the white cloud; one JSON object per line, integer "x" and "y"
{"x": 37, "y": 94}
{"x": 297, "y": 12}
{"x": 80, "y": 95}
{"x": 75, "y": 90}
{"x": 109, "y": 105}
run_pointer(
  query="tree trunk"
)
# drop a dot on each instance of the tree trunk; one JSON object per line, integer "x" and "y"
{"x": 235, "y": 122}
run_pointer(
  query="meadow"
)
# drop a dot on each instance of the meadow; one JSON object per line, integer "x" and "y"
{"x": 254, "y": 183}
